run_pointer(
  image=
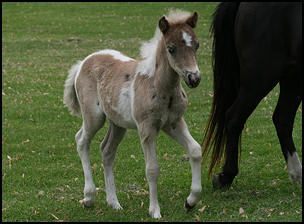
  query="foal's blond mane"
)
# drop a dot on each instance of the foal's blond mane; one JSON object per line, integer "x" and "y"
{"x": 149, "y": 48}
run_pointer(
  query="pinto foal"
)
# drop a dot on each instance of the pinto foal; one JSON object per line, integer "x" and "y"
{"x": 144, "y": 94}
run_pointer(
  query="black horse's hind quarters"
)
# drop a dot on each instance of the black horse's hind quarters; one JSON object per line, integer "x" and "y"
{"x": 255, "y": 47}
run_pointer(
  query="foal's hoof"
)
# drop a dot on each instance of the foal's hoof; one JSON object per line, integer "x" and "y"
{"x": 155, "y": 212}
{"x": 188, "y": 207}
{"x": 296, "y": 178}
{"x": 87, "y": 203}
{"x": 218, "y": 184}
{"x": 115, "y": 205}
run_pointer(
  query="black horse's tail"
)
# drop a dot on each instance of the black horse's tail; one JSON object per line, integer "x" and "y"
{"x": 226, "y": 79}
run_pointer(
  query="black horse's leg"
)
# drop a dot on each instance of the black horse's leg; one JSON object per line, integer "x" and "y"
{"x": 251, "y": 93}
{"x": 236, "y": 117}
{"x": 283, "y": 119}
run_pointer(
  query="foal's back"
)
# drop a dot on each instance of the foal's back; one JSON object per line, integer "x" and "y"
{"x": 107, "y": 76}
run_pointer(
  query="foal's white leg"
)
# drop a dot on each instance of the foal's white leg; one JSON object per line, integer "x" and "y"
{"x": 91, "y": 125}
{"x": 108, "y": 149}
{"x": 83, "y": 149}
{"x": 181, "y": 134}
{"x": 148, "y": 138}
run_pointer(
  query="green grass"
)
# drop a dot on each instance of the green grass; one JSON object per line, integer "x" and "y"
{"x": 42, "y": 177}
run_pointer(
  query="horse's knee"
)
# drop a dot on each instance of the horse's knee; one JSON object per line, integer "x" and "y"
{"x": 81, "y": 143}
{"x": 152, "y": 172}
{"x": 81, "y": 136}
{"x": 195, "y": 152}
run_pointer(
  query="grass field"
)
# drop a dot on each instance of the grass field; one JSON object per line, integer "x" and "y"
{"x": 42, "y": 177}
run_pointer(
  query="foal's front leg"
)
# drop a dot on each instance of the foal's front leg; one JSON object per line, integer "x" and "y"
{"x": 181, "y": 134}
{"x": 148, "y": 136}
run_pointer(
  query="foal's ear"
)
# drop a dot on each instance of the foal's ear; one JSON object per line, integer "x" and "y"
{"x": 163, "y": 25}
{"x": 192, "y": 21}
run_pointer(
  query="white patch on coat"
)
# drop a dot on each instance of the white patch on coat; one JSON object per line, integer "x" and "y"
{"x": 148, "y": 53}
{"x": 132, "y": 97}
{"x": 123, "y": 109}
{"x": 187, "y": 38}
{"x": 108, "y": 99}
{"x": 116, "y": 54}
{"x": 294, "y": 167}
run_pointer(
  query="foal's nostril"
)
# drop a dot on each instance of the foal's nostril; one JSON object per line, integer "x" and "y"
{"x": 192, "y": 79}
{"x": 189, "y": 76}
{"x": 198, "y": 77}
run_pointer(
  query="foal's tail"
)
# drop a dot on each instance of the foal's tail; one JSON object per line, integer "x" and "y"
{"x": 226, "y": 80}
{"x": 69, "y": 97}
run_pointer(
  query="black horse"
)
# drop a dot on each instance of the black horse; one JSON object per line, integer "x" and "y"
{"x": 255, "y": 47}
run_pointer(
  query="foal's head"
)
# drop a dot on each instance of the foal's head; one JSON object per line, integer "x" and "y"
{"x": 182, "y": 44}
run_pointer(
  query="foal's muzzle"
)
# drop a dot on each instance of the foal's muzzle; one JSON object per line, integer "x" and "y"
{"x": 192, "y": 79}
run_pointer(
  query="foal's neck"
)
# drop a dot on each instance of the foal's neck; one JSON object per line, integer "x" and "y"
{"x": 165, "y": 78}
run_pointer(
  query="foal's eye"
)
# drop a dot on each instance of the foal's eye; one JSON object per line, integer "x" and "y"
{"x": 171, "y": 49}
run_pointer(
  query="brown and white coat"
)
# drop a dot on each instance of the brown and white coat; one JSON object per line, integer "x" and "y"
{"x": 143, "y": 94}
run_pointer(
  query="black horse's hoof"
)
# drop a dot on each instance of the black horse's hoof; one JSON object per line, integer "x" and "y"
{"x": 188, "y": 207}
{"x": 218, "y": 183}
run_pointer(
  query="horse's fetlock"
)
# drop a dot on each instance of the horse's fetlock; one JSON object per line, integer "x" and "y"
{"x": 196, "y": 191}
{"x": 89, "y": 191}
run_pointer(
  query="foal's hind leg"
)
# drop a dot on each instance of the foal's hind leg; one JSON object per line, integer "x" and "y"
{"x": 283, "y": 119}
{"x": 108, "y": 149}
{"x": 181, "y": 134}
{"x": 93, "y": 120}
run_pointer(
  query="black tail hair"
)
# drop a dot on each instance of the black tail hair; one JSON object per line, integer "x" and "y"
{"x": 226, "y": 79}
